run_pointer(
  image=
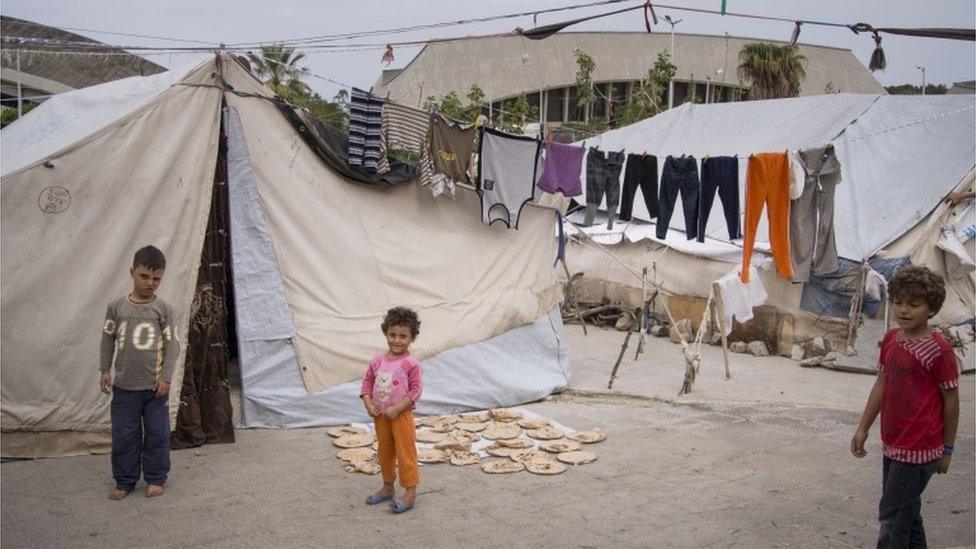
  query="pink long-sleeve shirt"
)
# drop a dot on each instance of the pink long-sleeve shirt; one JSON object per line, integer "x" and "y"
{"x": 389, "y": 379}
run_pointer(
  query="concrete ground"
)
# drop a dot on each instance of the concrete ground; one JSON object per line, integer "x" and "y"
{"x": 760, "y": 460}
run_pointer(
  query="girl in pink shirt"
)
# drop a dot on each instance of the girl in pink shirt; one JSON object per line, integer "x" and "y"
{"x": 391, "y": 389}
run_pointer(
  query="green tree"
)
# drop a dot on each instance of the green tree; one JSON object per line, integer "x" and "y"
{"x": 476, "y": 102}
{"x": 516, "y": 113}
{"x": 649, "y": 96}
{"x": 911, "y": 89}
{"x": 773, "y": 71}
{"x": 9, "y": 115}
{"x": 586, "y": 95}
{"x": 278, "y": 66}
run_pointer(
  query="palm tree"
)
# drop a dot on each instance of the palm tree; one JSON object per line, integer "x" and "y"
{"x": 774, "y": 71}
{"x": 277, "y": 65}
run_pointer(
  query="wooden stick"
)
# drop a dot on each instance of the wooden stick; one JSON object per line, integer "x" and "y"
{"x": 572, "y": 295}
{"x": 623, "y": 349}
{"x": 720, "y": 306}
{"x": 643, "y": 315}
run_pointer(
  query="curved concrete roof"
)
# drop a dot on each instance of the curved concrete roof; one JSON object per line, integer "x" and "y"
{"x": 505, "y": 66}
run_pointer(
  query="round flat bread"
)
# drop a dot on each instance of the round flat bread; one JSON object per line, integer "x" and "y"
{"x": 450, "y": 419}
{"x": 525, "y": 456}
{"x": 497, "y": 466}
{"x": 442, "y": 428}
{"x": 502, "y": 451}
{"x": 501, "y": 414}
{"x": 471, "y": 427}
{"x": 464, "y": 458}
{"x": 533, "y": 423}
{"x": 369, "y": 467}
{"x": 426, "y": 421}
{"x": 453, "y": 444}
{"x": 430, "y": 436}
{"x": 336, "y": 432}
{"x": 353, "y": 441}
{"x": 545, "y": 467}
{"x": 375, "y": 445}
{"x": 519, "y": 443}
{"x": 473, "y": 417}
{"x": 546, "y": 433}
{"x": 356, "y": 454}
{"x": 503, "y": 431}
{"x": 576, "y": 458}
{"x": 587, "y": 437}
{"x": 560, "y": 446}
{"x": 430, "y": 455}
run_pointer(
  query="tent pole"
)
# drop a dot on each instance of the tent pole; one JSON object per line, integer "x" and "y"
{"x": 720, "y": 306}
{"x": 643, "y": 314}
{"x": 572, "y": 295}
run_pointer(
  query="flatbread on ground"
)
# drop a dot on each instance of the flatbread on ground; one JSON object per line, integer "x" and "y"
{"x": 370, "y": 467}
{"x": 546, "y": 433}
{"x": 471, "y": 427}
{"x": 375, "y": 445}
{"x": 588, "y": 437}
{"x": 519, "y": 443}
{"x": 356, "y": 454}
{"x": 576, "y": 458}
{"x": 442, "y": 428}
{"x": 533, "y": 423}
{"x": 336, "y": 432}
{"x": 464, "y": 458}
{"x": 426, "y": 421}
{"x": 560, "y": 446}
{"x": 473, "y": 417}
{"x": 430, "y": 436}
{"x": 453, "y": 444}
{"x": 502, "y": 431}
{"x": 501, "y": 414}
{"x": 430, "y": 455}
{"x": 353, "y": 441}
{"x": 502, "y": 451}
{"x": 545, "y": 467}
{"x": 497, "y": 466}
{"x": 525, "y": 456}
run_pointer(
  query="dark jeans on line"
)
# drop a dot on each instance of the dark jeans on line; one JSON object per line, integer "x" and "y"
{"x": 900, "y": 509}
{"x": 680, "y": 174}
{"x": 603, "y": 177}
{"x": 720, "y": 173}
{"x": 641, "y": 172}
{"x": 140, "y": 437}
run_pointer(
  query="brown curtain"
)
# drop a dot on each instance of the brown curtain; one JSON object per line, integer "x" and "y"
{"x": 205, "y": 414}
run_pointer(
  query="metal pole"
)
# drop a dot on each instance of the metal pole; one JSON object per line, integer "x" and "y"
{"x": 923, "y": 77}
{"x": 20, "y": 93}
{"x": 673, "y": 62}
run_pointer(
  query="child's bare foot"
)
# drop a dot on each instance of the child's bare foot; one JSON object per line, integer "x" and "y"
{"x": 154, "y": 490}
{"x": 118, "y": 493}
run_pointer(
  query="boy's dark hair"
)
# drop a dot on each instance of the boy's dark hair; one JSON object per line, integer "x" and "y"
{"x": 402, "y": 316}
{"x": 916, "y": 281}
{"x": 149, "y": 257}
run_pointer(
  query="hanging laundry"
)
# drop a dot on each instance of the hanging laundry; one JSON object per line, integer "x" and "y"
{"x": 812, "y": 244}
{"x": 507, "y": 173}
{"x": 768, "y": 185}
{"x": 680, "y": 175}
{"x": 739, "y": 298}
{"x": 798, "y": 174}
{"x": 562, "y": 167}
{"x": 641, "y": 172}
{"x": 365, "y": 128}
{"x": 720, "y": 173}
{"x": 603, "y": 178}
{"x": 451, "y": 145}
{"x": 403, "y": 128}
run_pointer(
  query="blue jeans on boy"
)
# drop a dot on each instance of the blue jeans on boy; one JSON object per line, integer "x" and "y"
{"x": 900, "y": 510}
{"x": 140, "y": 437}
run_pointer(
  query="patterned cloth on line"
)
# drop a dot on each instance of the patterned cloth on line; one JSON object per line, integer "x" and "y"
{"x": 403, "y": 128}
{"x": 365, "y": 125}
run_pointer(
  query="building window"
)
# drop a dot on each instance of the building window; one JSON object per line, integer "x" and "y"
{"x": 577, "y": 112}
{"x": 618, "y": 97}
{"x": 555, "y": 105}
{"x": 599, "y": 109}
{"x": 680, "y": 93}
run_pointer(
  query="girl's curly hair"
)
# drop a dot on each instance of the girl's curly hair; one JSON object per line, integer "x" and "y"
{"x": 918, "y": 282}
{"x": 402, "y": 316}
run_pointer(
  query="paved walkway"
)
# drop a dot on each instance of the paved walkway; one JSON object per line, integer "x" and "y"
{"x": 735, "y": 464}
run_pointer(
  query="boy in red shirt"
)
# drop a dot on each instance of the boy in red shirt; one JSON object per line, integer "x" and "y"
{"x": 917, "y": 394}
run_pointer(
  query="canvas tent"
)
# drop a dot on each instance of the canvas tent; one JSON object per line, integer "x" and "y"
{"x": 900, "y": 156}
{"x": 316, "y": 259}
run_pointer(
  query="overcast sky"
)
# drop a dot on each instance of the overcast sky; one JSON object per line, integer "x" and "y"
{"x": 228, "y": 22}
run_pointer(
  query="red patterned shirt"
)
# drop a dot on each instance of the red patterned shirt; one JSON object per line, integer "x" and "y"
{"x": 911, "y": 409}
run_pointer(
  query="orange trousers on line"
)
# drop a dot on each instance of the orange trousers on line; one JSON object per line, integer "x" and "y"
{"x": 397, "y": 451}
{"x": 768, "y": 183}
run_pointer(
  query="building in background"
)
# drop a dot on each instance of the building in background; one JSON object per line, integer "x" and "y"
{"x": 965, "y": 87}
{"x": 506, "y": 67}
{"x": 45, "y": 61}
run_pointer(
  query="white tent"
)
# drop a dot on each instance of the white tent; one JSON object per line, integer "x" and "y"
{"x": 91, "y": 175}
{"x": 900, "y": 156}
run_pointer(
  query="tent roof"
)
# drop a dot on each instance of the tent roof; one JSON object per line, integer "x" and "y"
{"x": 910, "y": 149}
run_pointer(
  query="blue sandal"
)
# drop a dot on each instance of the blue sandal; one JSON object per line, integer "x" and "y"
{"x": 374, "y": 499}
{"x": 399, "y": 507}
